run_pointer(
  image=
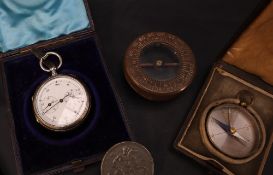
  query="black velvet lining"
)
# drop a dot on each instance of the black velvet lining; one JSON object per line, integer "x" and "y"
{"x": 41, "y": 149}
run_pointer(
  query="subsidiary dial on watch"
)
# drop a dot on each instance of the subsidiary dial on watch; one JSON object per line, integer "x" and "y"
{"x": 61, "y": 102}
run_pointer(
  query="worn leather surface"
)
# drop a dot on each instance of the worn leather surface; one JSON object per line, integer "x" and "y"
{"x": 253, "y": 51}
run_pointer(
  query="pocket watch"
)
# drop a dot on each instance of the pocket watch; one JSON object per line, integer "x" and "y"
{"x": 232, "y": 130}
{"x": 61, "y": 102}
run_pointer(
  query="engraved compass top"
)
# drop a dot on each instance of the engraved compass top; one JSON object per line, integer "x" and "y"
{"x": 159, "y": 66}
{"x": 127, "y": 158}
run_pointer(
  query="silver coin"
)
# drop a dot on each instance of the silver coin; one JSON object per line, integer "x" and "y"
{"x": 127, "y": 158}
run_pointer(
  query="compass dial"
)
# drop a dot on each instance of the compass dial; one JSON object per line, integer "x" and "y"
{"x": 159, "y": 66}
{"x": 61, "y": 103}
{"x": 233, "y": 130}
{"x": 159, "y": 62}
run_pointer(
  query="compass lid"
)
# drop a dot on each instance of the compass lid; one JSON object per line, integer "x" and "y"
{"x": 159, "y": 66}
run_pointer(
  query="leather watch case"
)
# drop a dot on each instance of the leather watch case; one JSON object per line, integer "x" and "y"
{"x": 39, "y": 151}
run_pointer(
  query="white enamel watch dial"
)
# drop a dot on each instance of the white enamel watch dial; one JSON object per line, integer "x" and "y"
{"x": 61, "y": 103}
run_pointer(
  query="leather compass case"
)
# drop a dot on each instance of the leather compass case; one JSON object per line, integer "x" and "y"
{"x": 226, "y": 82}
{"x": 64, "y": 27}
{"x": 253, "y": 51}
{"x": 246, "y": 68}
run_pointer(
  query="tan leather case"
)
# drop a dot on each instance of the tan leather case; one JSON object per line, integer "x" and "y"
{"x": 253, "y": 51}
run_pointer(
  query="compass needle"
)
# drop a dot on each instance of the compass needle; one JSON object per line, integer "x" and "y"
{"x": 232, "y": 131}
{"x": 222, "y": 125}
{"x": 162, "y": 68}
{"x": 237, "y": 135}
{"x": 229, "y": 122}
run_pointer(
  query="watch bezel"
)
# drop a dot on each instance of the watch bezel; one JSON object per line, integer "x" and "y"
{"x": 71, "y": 126}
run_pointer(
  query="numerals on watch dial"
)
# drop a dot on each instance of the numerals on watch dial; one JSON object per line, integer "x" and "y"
{"x": 61, "y": 102}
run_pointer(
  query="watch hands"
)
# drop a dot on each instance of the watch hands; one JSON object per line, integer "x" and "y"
{"x": 60, "y": 101}
{"x": 49, "y": 104}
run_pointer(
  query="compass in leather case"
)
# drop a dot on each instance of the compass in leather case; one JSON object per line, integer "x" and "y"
{"x": 232, "y": 130}
{"x": 229, "y": 129}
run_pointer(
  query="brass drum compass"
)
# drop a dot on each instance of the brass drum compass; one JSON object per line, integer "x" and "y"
{"x": 159, "y": 66}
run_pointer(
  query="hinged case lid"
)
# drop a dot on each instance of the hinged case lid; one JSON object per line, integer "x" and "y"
{"x": 23, "y": 23}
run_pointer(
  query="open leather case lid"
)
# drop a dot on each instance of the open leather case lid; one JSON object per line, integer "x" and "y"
{"x": 24, "y": 23}
{"x": 252, "y": 52}
{"x": 65, "y": 27}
